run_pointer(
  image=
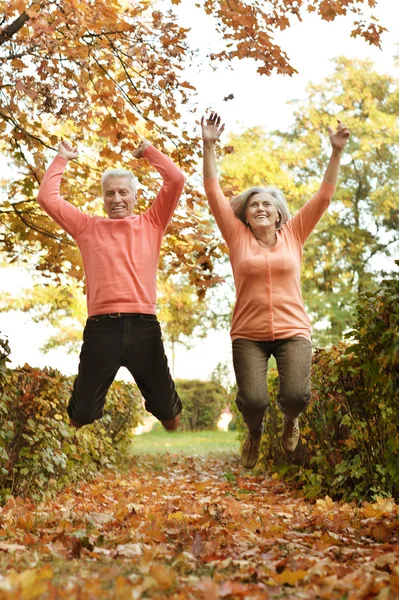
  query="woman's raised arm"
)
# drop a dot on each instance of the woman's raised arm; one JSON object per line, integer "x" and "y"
{"x": 221, "y": 208}
{"x": 306, "y": 219}
{"x": 211, "y": 132}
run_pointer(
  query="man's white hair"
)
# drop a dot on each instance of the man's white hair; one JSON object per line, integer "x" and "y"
{"x": 120, "y": 173}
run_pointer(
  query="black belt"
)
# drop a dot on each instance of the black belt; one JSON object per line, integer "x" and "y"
{"x": 121, "y": 314}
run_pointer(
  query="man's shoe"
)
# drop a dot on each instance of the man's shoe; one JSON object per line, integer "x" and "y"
{"x": 74, "y": 423}
{"x": 250, "y": 450}
{"x": 290, "y": 434}
{"x": 171, "y": 424}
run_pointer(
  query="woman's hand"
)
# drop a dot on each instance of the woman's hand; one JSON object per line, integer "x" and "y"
{"x": 211, "y": 128}
{"x": 339, "y": 138}
{"x": 140, "y": 150}
{"x": 67, "y": 151}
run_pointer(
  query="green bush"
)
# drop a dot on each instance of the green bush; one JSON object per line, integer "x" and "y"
{"x": 349, "y": 444}
{"x": 203, "y": 403}
{"x": 39, "y": 451}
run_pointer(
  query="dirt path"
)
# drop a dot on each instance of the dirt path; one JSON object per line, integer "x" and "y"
{"x": 196, "y": 528}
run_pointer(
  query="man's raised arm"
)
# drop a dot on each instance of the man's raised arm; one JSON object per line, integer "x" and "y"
{"x": 70, "y": 218}
{"x": 165, "y": 203}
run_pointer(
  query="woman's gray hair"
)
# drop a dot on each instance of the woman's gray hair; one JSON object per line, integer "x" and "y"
{"x": 120, "y": 173}
{"x": 239, "y": 203}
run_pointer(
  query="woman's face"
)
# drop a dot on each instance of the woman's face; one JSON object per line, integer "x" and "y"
{"x": 261, "y": 212}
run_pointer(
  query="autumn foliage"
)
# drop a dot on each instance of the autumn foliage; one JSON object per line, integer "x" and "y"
{"x": 195, "y": 528}
{"x": 104, "y": 74}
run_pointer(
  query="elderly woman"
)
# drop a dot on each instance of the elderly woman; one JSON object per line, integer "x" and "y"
{"x": 265, "y": 248}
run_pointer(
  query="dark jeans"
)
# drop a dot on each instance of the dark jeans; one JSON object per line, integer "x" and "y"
{"x": 294, "y": 359}
{"x": 134, "y": 342}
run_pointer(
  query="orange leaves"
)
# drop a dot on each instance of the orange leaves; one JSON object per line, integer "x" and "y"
{"x": 210, "y": 590}
{"x": 371, "y": 32}
{"x": 164, "y": 576}
{"x": 16, "y": 6}
{"x": 174, "y": 527}
{"x": 248, "y": 28}
{"x": 17, "y": 63}
{"x": 125, "y": 60}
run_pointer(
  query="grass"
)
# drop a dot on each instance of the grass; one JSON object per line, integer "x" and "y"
{"x": 186, "y": 442}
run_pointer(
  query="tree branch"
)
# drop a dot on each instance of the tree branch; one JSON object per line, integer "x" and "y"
{"x": 14, "y": 27}
{"x": 15, "y": 124}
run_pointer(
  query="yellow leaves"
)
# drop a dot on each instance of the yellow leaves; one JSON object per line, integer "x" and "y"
{"x": 382, "y": 507}
{"x": 32, "y": 583}
{"x": 288, "y": 577}
{"x": 177, "y": 516}
{"x": 325, "y": 505}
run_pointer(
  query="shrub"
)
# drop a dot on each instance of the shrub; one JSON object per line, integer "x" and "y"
{"x": 203, "y": 403}
{"x": 39, "y": 451}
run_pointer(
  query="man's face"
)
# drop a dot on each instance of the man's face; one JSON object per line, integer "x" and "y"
{"x": 119, "y": 197}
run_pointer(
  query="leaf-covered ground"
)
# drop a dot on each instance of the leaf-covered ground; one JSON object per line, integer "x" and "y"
{"x": 196, "y": 528}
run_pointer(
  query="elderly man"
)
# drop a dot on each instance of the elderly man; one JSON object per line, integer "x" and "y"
{"x": 120, "y": 256}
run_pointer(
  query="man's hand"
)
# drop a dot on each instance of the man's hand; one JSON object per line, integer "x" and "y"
{"x": 67, "y": 151}
{"x": 339, "y": 138}
{"x": 140, "y": 150}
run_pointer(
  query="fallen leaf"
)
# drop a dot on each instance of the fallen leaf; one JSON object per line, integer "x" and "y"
{"x": 288, "y": 577}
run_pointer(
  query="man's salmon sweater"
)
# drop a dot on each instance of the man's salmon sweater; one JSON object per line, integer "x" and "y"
{"x": 269, "y": 303}
{"x": 120, "y": 256}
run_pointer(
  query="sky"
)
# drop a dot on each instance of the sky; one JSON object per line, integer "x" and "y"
{"x": 258, "y": 100}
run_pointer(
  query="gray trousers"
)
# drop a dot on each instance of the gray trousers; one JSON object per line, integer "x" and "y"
{"x": 293, "y": 357}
